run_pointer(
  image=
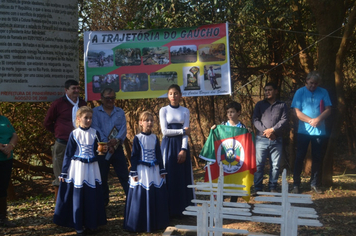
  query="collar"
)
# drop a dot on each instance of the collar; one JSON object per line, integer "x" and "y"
{"x": 146, "y": 133}
{"x": 174, "y": 106}
{"x": 84, "y": 128}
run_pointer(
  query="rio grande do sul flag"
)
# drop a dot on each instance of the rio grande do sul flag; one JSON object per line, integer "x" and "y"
{"x": 235, "y": 148}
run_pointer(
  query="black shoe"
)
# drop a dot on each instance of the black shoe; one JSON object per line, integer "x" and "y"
{"x": 316, "y": 190}
{"x": 296, "y": 190}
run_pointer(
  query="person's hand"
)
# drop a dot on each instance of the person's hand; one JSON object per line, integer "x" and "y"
{"x": 135, "y": 178}
{"x": 111, "y": 142}
{"x": 2, "y": 148}
{"x": 6, "y": 149}
{"x": 163, "y": 176}
{"x": 61, "y": 179}
{"x": 187, "y": 130}
{"x": 272, "y": 137}
{"x": 213, "y": 127}
{"x": 111, "y": 149}
{"x": 182, "y": 155}
{"x": 105, "y": 148}
{"x": 314, "y": 122}
{"x": 268, "y": 132}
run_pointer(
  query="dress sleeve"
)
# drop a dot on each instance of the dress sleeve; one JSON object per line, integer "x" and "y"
{"x": 135, "y": 156}
{"x": 159, "y": 157}
{"x": 69, "y": 153}
{"x": 185, "y": 125}
{"x": 164, "y": 124}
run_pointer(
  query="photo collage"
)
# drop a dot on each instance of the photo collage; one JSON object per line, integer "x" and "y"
{"x": 195, "y": 77}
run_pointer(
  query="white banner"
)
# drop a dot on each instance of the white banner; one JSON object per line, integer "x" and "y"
{"x": 38, "y": 49}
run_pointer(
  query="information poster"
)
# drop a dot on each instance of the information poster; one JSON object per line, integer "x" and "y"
{"x": 38, "y": 49}
{"x": 144, "y": 63}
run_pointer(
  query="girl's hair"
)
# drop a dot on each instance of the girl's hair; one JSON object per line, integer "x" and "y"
{"x": 82, "y": 110}
{"x": 144, "y": 115}
{"x": 175, "y": 86}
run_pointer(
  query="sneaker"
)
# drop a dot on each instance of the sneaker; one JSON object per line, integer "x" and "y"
{"x": 296, "y": 190}
{"x": 316, "y": 190}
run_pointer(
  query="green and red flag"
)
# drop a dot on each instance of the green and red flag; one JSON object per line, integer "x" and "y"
{"x": 235, "y": 148}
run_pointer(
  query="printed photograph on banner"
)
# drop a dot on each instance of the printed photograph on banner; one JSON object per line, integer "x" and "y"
{"x": 212, "y": 52}
{"x": 104, "y": 81}
{"x": 212, "y": 77}
{"x": 162, "y": 80}
{"x": 191, "y": 79}
{"x": 134, "y": 82}
{"x": 127, "y": 57}
{"x": 155, "y": 56}
{"x": 183, "y": 53}
{"x": 101, "y": 58}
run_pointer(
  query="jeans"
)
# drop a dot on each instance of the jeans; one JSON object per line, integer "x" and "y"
{"x": 267, "y": 148}
{"x": 118, "y": 161}
{"x": 303, "y": 141}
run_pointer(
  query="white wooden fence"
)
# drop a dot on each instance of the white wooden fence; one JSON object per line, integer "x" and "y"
{"x": 211, "y": 213}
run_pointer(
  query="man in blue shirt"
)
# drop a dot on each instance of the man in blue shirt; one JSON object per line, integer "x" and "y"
{"x": 312, "y": 106}
{"x": 270, "y": 120}
{"x": 110, "y": 122}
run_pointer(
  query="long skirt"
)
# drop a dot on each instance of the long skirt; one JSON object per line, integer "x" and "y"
{"x": 179, "y": 176}
{"x": 80, "y": 202}
{"x": 146, "y": 203}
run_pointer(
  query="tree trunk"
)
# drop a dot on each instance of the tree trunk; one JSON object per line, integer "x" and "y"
{"x": 329, "y": 17}
{"x": 339, "y": 82}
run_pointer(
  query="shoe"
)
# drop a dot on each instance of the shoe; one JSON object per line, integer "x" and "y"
{"x": 296, "y": 190}
{"x": 316, "y": 189}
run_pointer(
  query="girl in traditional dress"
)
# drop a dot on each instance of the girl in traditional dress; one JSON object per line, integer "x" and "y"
{"x": 174, "y": 121}
{"x": 146, "y": 203}
{"x": 80, "y": 203}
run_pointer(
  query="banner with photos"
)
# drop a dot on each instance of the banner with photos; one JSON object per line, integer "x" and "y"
{"x": 144, "y": 63}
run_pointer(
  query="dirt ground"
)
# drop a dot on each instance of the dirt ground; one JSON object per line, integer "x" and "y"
{"x": 336, "y": 207}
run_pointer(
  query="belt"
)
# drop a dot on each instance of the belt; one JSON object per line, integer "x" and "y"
{"x": 62, "y": 141}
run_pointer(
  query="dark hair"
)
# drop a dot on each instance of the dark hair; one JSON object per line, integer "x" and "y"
{"x": 273, "y": 85}
{"x": 175, "y": 86}
{"x": 108, "y": 90}
{"x": 235, "y": 105}
{"x": 70, "y": 82}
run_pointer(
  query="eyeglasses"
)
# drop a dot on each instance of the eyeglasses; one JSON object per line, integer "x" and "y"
{"x": 109, "y": 98}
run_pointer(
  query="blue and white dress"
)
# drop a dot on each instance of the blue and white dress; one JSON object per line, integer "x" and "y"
{"x": 80, "y": 198}
{"x": 173, "y": 120}
{"x": 146, "y": 203}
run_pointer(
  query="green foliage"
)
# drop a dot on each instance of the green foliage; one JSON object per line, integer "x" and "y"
{"x": 265, "y": 37}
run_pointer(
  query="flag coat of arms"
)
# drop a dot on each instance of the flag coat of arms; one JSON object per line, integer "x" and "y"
{"x": 235, "y": 148}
